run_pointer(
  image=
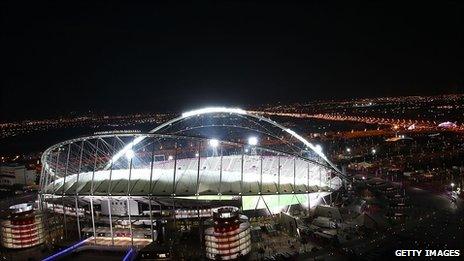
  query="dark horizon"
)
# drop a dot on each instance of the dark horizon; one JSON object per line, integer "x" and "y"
{"x": 126, "y": 58}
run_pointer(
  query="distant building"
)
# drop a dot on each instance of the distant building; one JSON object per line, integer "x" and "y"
{"x": 17, "y": 174}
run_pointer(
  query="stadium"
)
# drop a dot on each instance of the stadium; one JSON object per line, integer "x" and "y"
{"x": 132, "y": 188}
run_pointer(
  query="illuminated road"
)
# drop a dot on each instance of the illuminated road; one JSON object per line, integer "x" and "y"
{"x": 406, "y": 124}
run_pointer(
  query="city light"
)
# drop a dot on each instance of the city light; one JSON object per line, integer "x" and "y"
{"x": 253, "y": 141}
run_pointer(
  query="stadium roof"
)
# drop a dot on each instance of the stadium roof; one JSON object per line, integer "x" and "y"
{"x": 211, "y": 151}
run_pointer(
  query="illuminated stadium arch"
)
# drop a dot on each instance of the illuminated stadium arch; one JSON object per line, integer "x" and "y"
{"x": 236, "y": 111}
{"x": 148, "y": 171}
{"x": 112, "y": 182}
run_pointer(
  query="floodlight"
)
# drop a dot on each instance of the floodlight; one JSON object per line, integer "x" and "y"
{"x": 253, "y": 141}
{"x": 213, "y": 143}
{"x": 129, "y": 154}
{"x": 318, "y": 148}
{"x": 213, "y": 110}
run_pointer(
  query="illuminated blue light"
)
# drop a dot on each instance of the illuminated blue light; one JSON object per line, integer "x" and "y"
{"x": 128, "y": 255}
{"x": 65, "y": 251}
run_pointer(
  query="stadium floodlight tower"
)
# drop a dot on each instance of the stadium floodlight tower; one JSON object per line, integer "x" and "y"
{"x": 112, "y": 185}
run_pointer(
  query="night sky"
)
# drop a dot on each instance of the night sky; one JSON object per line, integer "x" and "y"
{"x": 65, "y": 56}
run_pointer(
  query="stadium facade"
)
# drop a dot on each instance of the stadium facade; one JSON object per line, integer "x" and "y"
{"x": 117, "y": 186}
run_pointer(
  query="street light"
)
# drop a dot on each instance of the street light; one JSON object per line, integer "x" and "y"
{"x": 374, "y": 151}
{"x": 348, "y": 150}
{"x": 452, "y": 184}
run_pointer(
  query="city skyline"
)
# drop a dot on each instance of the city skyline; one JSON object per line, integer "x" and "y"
{"x": 82, "y": 114}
